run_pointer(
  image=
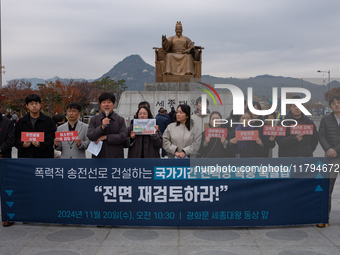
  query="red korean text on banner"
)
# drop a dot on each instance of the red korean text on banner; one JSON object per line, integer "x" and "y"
{"x": 304, "y": 129}
{"x": 32, "y": 136}
{"x": 67, "y": 136}
{"x": 276, "y": 130}
{"x": 247, "y": 135}
{"x": 216, "y": 132}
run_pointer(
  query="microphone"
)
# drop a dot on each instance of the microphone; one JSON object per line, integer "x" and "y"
{"x": 107, "y": 113}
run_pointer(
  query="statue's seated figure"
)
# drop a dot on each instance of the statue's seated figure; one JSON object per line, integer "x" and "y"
{"x": 179, "y": 59}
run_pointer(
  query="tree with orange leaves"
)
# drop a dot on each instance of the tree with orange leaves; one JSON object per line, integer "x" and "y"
{"x": 48, "y": 95}
{"x": 15, "y": 93}
{"x": 332, "y": 92}
{"x": 54, "y": 95}
{"x": 57, "y": 95}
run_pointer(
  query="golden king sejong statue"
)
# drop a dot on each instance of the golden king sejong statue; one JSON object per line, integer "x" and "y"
{"x": 179, "y": 59}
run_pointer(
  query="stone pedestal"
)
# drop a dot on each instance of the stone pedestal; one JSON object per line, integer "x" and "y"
{"x": 170, "y": 86}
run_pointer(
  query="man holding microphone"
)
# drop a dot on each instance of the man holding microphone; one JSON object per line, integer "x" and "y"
{"x": 108, "y": 127}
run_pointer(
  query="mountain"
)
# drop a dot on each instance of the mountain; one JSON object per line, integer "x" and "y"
{"x": 262, "y": 85}
{"x": 36, "y": 81}
{"x": 134, "y": 70}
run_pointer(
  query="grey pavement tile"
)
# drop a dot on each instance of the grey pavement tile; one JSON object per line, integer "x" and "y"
{"x": 9, "y": 250}
{"x": 138, "y": 250}
{"x": 334, "y": 218}
{"x": 292, "y": 235}
{"x": 142, "y": 236}
{"x": 68, "y": 236}
{"x": 336, "y": 205}
{"x": 75, "y": 250}
{"x": 222, "y": 249}
{"x": 336, "y": 189}
{"x": 19, "y": 234}
{"x": 299, "y": 250}
{"x": 335, "y": 195}
{"x": 332, "y": 233}
{"x": 215, "y": 236}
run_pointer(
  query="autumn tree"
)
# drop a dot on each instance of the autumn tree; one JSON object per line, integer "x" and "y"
{"x": 82, "y": 92}
{"x": 49, "y": 97}
{"x": 87, "y": 93}
{"x": 332, "y": 92}
{"x": 110, "y": 85}
{"x": 15, "y": 93}
{"x": 57, "y": 95}
{"x": 309, "y": 105}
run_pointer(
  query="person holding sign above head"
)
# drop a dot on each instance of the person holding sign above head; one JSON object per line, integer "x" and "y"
{"x": 34, "y": 133}
{"x": 296, "y": 142}
{"x": 143, "y": 145}
{"x": 109, "y": 128}
{"x": 245, "y": 141}
{"x": 182, "y": 139}
{"x": 329, "y": 135}
{"x": 71, "y": 137}
{"x": 214, "y": 139}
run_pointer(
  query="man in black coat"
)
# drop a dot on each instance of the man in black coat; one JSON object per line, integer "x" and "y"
{"x": 297, "y": 145}
{"x": 35, "y": 121}
{"x": 7, "y": 141}
{"x": 172, "y": 114}
{"x": 329, "y": 133}
{"x": 108, "y": 127}
{"x": 7, "y": 138}
{"x": 162, "y": 121}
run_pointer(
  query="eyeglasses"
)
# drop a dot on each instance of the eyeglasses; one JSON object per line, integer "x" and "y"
{"x": 72, "y": 111}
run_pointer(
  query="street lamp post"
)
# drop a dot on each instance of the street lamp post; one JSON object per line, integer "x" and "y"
{"x": 329, "y": 81}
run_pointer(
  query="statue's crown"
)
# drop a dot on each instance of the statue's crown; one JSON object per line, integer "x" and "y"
{"x": 178, "y": 25}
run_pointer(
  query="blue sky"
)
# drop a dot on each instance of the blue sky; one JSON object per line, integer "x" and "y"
{"x": 85, "y": 39}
